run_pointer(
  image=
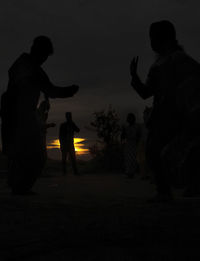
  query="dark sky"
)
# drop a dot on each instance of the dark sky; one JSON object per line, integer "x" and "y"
{"x": 94, "y": 42}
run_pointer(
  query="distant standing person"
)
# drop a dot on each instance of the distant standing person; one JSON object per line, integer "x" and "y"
{"x": 23, "y": 139}
{"x": 66, "y": 137}
{"x": 130, "y": 135}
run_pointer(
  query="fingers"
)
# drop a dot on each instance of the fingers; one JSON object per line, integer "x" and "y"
{"x": 71, "y": 90}
{"x": 135, "y": 59}
{"x": 75, "y": 88}
{"x": 134, "y": 64}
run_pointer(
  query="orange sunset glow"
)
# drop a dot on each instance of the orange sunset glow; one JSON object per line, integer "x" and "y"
{"x": 79, "y": 146}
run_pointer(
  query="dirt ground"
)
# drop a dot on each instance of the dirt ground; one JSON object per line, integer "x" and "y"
{"x": 97, "y": 217}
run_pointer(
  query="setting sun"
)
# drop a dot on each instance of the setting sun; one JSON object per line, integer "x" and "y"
{"x": 78, "y": 144}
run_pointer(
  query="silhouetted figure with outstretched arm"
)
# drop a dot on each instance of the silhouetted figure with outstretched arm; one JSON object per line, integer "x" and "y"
{"x": 24, "y": 143}
{"x": 171, "y": 82}
{"x": 66, "y": 138}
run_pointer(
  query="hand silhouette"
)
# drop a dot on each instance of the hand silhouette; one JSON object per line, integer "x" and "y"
{"x": 73, "y": 89}
{"x": 133, "y": 66}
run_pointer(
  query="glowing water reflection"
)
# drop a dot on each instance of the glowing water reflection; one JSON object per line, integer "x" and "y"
{"x": 79, "y": 144}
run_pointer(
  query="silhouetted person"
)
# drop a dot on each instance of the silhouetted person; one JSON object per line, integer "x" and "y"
{"x": 66, "y": 137}
{"x": 130, "y": 135}
{"x": 167, "y": 83}
{"x": 24, "y": 142}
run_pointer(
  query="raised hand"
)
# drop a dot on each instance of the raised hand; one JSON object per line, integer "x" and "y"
{"x": 133, "y": 66}
{"x": 73, "y": 89}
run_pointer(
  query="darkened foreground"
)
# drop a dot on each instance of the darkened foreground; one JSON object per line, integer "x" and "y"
{"x": 100, "y": 217}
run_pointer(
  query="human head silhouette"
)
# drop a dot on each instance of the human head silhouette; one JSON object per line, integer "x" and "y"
{"x": 131, "y": 118}
{"x": 41, "y": 48}
{"x": 162, "y": 36}
{"x": 68, "y": 116}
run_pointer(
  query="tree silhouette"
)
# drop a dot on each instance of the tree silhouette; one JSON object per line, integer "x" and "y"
{"x": 107, "y": 125}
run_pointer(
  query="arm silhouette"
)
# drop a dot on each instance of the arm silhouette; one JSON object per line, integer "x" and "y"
{"x": 144, "y": 90}
{"x": 50, "y": 90}
{"x": 53, "y": 91}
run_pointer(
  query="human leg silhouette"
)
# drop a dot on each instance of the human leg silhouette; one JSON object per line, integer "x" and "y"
{"x": 154, "y": 159}
{"x": 64, "y": 161}
{"x": 73, "y": 160}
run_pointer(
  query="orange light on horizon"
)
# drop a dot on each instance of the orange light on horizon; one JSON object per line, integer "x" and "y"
{"x": 79, "y": 147}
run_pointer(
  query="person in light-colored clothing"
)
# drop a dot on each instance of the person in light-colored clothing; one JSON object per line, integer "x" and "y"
{"x": 130, "y": 137}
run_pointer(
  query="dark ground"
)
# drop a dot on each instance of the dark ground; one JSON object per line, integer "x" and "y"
{"x": 97, "y": 217}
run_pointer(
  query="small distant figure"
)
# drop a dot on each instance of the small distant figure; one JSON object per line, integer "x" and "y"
{"x": 130, "y": 136}
{"x": 66, "y": 137}
{"x": 42, "y": 113}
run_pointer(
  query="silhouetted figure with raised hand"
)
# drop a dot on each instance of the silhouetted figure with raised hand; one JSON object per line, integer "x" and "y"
{"x": 24, "y": 142}
{"x": 130, "y": 137}
{"x": 66, "y": 137}
{"x": 171, "y": 82}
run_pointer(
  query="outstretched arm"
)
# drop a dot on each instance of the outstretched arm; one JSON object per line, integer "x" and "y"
{"x": 53, "y": 91}
{"x": 144, "y": 90}
{"x": 42, "y": 82}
